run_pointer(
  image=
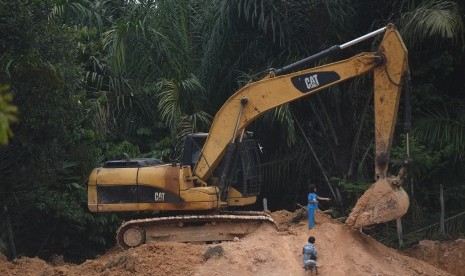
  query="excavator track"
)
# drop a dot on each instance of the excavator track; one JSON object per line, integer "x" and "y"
{"x": 224, "y": 226}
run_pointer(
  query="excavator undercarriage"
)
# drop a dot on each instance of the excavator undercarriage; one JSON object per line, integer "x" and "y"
{"x": 225, "y": 226}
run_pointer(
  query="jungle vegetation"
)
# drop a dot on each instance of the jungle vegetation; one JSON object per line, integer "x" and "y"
{"x": 83, "y": 81}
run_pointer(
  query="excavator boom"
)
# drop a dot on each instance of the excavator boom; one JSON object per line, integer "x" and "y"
{"x": 388, "y": 64}
{"x": 269, "y": 93}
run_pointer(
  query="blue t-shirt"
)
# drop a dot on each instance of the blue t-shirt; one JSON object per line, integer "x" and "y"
{"x": 312, "y": 205}
{"x": 309, "y": 249}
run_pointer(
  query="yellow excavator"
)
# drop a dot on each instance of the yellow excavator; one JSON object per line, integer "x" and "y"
{"x": 221, "y": 169}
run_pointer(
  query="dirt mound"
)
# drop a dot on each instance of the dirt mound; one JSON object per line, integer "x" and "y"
{"x": 449, "y": 256}
{"x": 265, "y": 252}
{"x": 282, "y": 217}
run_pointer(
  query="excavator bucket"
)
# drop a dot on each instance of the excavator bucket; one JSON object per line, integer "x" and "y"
{"x": 385, "y": 200}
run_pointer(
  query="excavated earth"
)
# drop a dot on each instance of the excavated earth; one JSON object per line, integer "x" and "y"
{"x": 265, "y": 252}
{"x": 449, "y": 255}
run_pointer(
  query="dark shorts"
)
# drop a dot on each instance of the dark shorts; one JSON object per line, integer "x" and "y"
{"x": 309, "y": 264}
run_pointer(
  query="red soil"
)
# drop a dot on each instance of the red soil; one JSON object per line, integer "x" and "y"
{"x": 265, "y": 252}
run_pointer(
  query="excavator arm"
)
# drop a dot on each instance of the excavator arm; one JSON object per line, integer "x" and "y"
{"x": 385, "y": 199}
{"x": 389, "y": 65}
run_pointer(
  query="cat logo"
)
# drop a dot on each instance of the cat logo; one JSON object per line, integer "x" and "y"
{"x": 160, "y": 196}
{"x": 312, "y": 81}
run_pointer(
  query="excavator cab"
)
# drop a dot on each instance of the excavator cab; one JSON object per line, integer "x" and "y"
{"x": 192, "y": 148}
{"x": 243, "y": 173}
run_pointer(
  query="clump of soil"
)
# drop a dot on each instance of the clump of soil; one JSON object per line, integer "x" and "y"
{"x": 449, "y": 256}
{"x": 285, "y": 219}
{"x": 341, "y": 251}
{"x": 282, "y": 217}
{"x": 213, "y": 251}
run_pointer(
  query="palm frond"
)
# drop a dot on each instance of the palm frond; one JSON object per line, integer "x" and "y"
{"x": 80, "y": 12}
{"x": 284, "y": 19}
{"x": 432, "y": 19}
{"x": 440, "y": 130}
{"x": 8, "y": 115}
{"x": 192, "y": 123}
{"x": 168, "y": 104}
{"x": 101, "y": 120}
{"x": 184, "y": 100}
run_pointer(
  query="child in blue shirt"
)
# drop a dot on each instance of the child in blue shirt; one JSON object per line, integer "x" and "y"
{"x": 310, "y": 255}
{"x": 313, "y": 205}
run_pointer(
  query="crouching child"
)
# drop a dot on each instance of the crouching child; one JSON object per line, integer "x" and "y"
{"x": 310, "y": 255}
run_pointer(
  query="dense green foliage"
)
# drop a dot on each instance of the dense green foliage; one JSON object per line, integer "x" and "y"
{"x": 7, "y": 115}
{"x": 93, "y": 79}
